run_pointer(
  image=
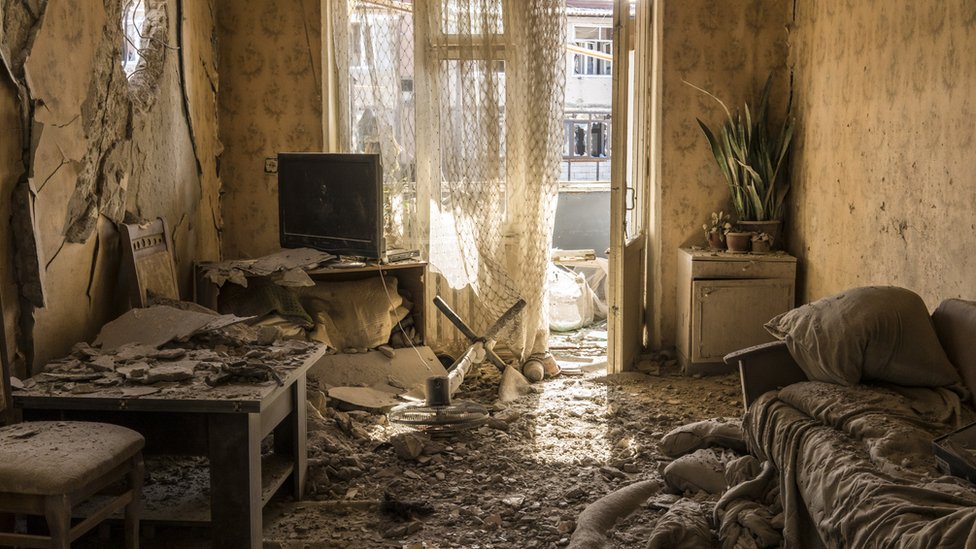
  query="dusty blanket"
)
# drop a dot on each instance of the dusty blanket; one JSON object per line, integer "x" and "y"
{"x": 856, "y": 465}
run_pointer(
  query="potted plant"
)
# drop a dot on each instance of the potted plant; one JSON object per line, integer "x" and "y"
{"x": 752, "y": 158}
{"x": 762, "y": 243}
{"x": 715, "y": 233}
{"x": 738, "y": 240}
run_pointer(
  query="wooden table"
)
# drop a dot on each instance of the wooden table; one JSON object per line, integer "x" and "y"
{"x": 226, "y": 424}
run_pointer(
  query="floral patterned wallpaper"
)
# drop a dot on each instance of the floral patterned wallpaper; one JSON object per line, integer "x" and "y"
{"x": 885, "y": 156}
{"x": 270, "y": 101}
{"x": 727, "y": 48}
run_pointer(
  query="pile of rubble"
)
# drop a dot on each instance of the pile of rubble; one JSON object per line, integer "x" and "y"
{"x": 192, "y": 356}
{"x": 521, "y": 480}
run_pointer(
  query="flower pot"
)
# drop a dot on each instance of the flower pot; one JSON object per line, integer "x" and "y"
{"x": 761, "y": 246}
{"x": 769, "y": 227}
{"x": 738, "y": 242}
{"x": 715, "y": 241}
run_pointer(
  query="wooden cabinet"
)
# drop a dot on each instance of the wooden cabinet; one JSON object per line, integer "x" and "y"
{"x": 723, "y": 301}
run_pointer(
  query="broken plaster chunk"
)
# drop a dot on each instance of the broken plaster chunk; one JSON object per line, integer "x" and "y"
{"x": 513, "y": 385}
{"x": 84, "y": 350}
{"x": 134, "y": 371}
{"x": 268, "y": 335}
{"x": 133, "y": 351}
{"x": 175, "y": 371}
{"x": 102, "y": 363}
{"x": 364, "y": 398}
{"x": 168, "y": 354}
{"x": 409, "y": 445}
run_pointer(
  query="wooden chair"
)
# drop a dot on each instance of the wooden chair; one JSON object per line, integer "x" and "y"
{"x": 48, "y": 467}
{"x": 148, "y": 262}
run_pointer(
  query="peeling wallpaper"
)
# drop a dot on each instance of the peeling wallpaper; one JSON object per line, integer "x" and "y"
{"x": 99, "y": 151}
{"x": 270, "y": 102}
{"x": 727, "y": 48}
{"x": 884, "y": 175}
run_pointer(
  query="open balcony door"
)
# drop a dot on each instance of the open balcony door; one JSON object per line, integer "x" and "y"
{"x": 627, "y": 195}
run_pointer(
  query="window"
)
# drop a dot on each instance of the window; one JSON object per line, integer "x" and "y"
{"x": 596, "y": 39}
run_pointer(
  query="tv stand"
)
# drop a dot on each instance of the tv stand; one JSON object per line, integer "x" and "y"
{"x": 345, "y": 264}
{"x": 411, "y": 275}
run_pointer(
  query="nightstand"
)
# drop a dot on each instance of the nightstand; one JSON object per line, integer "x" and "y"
{"x": 724, "y": 299}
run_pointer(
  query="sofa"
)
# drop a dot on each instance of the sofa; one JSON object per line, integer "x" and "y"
{"x": 844, "y": 407}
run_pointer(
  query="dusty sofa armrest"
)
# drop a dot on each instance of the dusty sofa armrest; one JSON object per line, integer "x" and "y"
{"x": 763, "y": 368}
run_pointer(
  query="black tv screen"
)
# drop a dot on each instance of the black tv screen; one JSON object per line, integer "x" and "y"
{"x": 331, "y": 202}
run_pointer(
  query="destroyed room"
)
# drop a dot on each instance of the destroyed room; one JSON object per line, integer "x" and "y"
{"x": 487, "y": 274}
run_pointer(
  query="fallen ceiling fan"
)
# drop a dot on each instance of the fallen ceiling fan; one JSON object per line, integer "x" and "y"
{"x": 439, "y": 414}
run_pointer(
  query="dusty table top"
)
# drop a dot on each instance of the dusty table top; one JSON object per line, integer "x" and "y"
{"x": 195, "y": 376}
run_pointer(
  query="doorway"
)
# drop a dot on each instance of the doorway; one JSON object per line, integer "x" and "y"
{"x": 596, "y": 278}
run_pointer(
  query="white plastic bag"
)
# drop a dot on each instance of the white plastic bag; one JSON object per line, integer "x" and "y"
{"x": 570, "y": 300}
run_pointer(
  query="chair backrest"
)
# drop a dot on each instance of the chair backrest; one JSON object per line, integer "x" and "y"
{"x": 148, "y": 262}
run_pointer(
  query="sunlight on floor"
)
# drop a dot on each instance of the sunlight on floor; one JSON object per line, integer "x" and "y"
{"x": 571, "y": 404}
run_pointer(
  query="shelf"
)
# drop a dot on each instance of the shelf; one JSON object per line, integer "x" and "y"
{"x": 181, "y": 492}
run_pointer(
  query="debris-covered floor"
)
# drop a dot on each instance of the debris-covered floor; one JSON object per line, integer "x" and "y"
{"x": 520, "y": 481}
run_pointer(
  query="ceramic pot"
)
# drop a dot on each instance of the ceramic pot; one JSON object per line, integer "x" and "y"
{"x": 738, "y": 242}
{"x": 761, "y": 246}
{"x": 715, "y": 241}
{"x": 769, "y": 227}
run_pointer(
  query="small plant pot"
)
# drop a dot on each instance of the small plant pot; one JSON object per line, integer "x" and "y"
{"x": 715, "y": 241}
{"x": 739, "y": 243}
{"x": 761, "y": 247}
{"x": 769, "y": 227}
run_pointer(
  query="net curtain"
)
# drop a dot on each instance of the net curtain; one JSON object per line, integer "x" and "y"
{"x": 485, "y": 139}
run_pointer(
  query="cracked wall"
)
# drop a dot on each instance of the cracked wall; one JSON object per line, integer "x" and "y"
{"x": 270, "y": 102}
{"x": 11, "y": 170}
{"x": 102, "y": 150}
{"x": 727, "y": 48}
{"x": 884, "y": 174}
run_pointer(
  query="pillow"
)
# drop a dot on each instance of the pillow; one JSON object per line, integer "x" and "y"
{"x": 875, "y": 333}
{"x": 955, "y": 325}
{"x": 723, "y": 432}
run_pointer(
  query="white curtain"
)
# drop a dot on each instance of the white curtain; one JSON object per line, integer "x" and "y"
{"x": 488, "y": 131}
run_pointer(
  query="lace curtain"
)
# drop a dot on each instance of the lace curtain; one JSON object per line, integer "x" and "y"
{"x": 478, "y": 130}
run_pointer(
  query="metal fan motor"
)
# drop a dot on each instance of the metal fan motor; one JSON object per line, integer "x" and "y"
{"x": 438, "y": 414}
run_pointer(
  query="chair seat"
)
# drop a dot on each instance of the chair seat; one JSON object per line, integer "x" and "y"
{"x": 57, "y": 457}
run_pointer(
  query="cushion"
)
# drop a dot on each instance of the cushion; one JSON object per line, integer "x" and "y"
{"x": 56, "y": 457}
{"x": 955, "y": 325}
{"x": 700, "y": 471}
{"x": 875, "y": 333}
{"x": 723, "y": 432}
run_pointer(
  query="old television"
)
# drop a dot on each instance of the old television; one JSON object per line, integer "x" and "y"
{"x": 331, "y": 202}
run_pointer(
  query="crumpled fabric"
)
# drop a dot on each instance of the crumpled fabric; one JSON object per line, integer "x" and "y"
{"x": 750, "y": 514}
{"x": 700, "y": 471}
{"x": 856, "y": 467}
{"x": 721, "y": 432}
{"x": 684, "y": 526}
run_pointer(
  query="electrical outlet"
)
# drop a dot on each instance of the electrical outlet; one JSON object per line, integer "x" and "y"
{"x": 270, "y": 165}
